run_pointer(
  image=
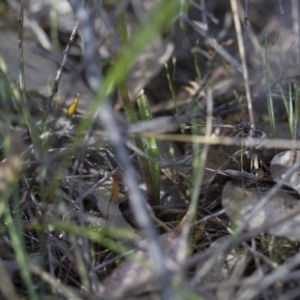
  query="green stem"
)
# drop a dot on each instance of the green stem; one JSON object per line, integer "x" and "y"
{"x": 172, "y": 86}
{"x": 15, "y": 230}
{"x": 152, "y": 147}
{"x": 132, "y": 118}
{"x": 24, "y": 101}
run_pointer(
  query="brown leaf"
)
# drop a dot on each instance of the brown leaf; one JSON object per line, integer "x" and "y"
{"x": 109, "y": 207}
{"x": 35, "y": 66}
{"x": 136, "y": 276}
{"x": 238, "y": 202}
{"x": 227, "y": 266}
{"x": 10, "y": 168}
{"x": 283, "y": 161}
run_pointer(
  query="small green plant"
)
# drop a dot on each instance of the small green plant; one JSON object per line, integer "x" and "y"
{"x": 196, "y": 63}
{"x": 265, "y": 64}
{"x": 289, "y": 108}
{"x": 171, "y": 82}
{"x": 53, "y": 27}
{"x": 151, "y": 144}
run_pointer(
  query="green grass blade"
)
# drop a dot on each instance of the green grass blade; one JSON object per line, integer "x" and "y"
{"x": 151, "y": 144}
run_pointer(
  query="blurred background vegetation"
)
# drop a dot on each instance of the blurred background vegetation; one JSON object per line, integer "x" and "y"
{"x": 174, "y": 76}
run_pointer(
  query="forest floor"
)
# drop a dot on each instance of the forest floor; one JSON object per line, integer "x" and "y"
{"x": 163, "y": 163}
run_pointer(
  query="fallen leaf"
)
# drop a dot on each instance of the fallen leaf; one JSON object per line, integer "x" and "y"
{"x": 227, "y": 266}
{"x": 37, "y": 64}
{"x": 107, "y": 206}
{"x": 283, "y": 161}
{"x": 135, "y": 276}
{"x": 238, "y": 203}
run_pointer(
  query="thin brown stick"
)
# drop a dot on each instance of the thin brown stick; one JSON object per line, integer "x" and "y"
{"x": 61, "y": 68}
{"x": 234, "y": 8}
